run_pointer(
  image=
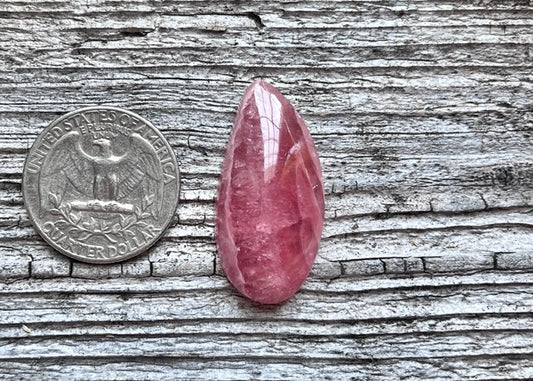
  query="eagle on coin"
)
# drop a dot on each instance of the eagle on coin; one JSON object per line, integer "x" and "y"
{"x": 102, "y": 181}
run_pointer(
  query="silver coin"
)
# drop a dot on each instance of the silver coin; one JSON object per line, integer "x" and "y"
{"x": 101, "y": 184}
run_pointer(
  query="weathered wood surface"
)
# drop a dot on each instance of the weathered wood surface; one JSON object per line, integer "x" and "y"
{"x": 422, "y": 115}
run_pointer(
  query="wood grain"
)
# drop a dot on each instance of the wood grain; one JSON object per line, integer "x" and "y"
{"x": 422, "y": 115}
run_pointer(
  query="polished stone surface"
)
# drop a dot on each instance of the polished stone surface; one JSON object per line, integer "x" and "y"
{"x": 270, "y": 205}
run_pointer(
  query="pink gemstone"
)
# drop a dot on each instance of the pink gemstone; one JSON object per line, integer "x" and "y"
{"x": 270, "y": 206}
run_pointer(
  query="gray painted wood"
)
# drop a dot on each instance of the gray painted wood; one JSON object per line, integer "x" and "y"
{"x": 422, "y": 115}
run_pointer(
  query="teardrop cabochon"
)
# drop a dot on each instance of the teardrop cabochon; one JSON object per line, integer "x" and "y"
{"x": 270, "y": 205}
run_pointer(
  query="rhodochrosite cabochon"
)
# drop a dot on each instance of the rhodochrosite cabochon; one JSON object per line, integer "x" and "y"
{"x": 270, "y": 206}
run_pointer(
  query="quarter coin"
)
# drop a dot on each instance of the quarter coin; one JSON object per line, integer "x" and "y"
{"x": 101, "y": 184}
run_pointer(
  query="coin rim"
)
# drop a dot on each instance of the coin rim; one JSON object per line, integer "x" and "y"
{"x": 135, "y": 252}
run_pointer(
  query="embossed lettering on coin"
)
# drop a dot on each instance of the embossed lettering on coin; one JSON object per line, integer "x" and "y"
{"x": 101, "y": 184}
